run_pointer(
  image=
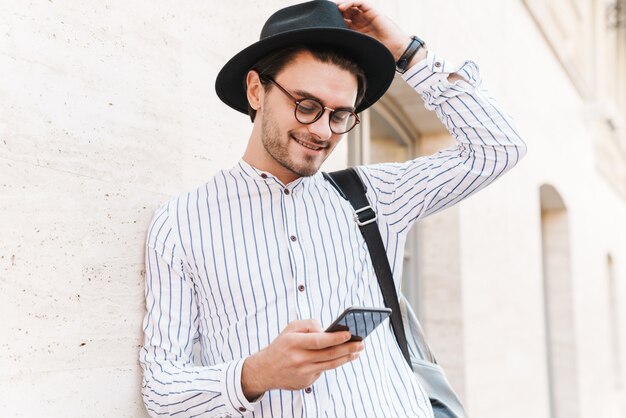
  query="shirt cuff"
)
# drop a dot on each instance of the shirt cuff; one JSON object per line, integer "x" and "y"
{"x": 235, "y": 401}
{"x": 429, "y": 78}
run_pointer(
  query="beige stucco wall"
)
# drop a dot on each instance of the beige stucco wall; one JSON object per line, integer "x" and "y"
{"x": 108, "y": 109}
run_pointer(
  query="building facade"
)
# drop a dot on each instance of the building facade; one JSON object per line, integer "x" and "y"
{"x": 108, "y": 109}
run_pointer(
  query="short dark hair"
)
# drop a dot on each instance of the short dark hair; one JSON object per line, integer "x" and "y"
{"x": 273, "y": 63}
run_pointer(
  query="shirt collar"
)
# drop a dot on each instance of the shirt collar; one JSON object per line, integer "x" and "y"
{"x": 270, "y": 179}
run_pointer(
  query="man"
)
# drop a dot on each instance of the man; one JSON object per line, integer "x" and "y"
{"x": 251, "y": 264}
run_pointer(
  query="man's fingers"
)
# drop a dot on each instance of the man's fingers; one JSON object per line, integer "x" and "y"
{"x": 305, "y": 326}
{"x": 358, "y": 15}
{"x": 338, "y": 362}
{"x": 322, "y": 340}
{"x": 353, "y": 9}
{"x": 345, "y": 5}
{"x": 307, "y": 334}
{"x": 338, "y": 351}
{"x": 352, "y": 12}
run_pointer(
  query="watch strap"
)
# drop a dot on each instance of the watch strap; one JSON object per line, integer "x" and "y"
{"x": 403, "y": 63}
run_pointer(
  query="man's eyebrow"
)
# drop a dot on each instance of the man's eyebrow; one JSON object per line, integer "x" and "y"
{"x": 307, "y": 95}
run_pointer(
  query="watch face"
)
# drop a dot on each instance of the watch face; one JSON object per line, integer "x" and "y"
{"x": 401, "y": 66}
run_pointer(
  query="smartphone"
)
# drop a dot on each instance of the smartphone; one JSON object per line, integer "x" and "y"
{"x": 359, "y": 321}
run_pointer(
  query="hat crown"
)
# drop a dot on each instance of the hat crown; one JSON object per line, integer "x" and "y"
{"x": 310, "y": 15}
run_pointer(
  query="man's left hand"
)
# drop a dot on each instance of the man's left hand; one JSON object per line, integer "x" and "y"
{"x": 363, "y": 18}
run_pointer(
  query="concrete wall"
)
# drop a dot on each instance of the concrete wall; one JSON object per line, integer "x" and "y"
{"x": 108, "y": 109}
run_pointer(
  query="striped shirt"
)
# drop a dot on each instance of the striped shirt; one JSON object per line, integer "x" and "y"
{"x": 231, "y": 263}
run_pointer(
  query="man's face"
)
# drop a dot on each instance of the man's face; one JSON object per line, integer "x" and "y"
{"x": 296, "y": 148}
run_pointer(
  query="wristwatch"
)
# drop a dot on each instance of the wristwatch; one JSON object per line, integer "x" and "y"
{"x": 403, "y": 63}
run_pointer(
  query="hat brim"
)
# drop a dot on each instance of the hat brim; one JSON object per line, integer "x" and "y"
{"x": 371, "y": 55}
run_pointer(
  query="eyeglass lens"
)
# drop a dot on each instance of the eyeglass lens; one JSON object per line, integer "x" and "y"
{"x": 309, "y": 110}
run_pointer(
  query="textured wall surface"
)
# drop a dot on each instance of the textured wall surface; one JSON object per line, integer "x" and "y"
{"x": 108, "y": 109}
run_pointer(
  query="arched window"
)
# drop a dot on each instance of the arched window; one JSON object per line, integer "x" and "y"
{"x": 614, "y": 322}
{"x": 558, "y": 299}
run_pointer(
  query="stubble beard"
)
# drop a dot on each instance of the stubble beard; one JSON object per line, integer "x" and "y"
{"x": 271, "y": 139}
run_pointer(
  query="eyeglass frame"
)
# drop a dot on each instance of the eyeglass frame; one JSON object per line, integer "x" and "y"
{"x": 324, "y": 108}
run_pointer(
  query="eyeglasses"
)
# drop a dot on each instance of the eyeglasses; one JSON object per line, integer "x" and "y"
{"x": 308, "y": 111}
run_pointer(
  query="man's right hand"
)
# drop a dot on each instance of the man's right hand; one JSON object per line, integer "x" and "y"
{"x": 297, "y": 358}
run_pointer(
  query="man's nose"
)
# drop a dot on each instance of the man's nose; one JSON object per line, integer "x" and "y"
{"x": 321, "y": 127}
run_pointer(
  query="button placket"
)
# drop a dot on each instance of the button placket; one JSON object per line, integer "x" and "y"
{"x": 291, "y": 200}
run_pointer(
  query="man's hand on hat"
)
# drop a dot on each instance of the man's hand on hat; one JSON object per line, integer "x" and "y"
{"x": 363, "y": 18}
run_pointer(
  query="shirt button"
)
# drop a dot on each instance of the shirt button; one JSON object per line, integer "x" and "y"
{"x": 293, "y": 238}
{"x": 263, "y": 175}
{"x": 301, "y": 288}
{"x": 286, "y": 191}
{"x": 308, "y": 390}
{"x": 437, "y": 64}
{"x": 242, "y": 409}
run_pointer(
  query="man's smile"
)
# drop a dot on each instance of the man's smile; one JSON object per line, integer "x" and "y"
{"x": 309, "y": 145}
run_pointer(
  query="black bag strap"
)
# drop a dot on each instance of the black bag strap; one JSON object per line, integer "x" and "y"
{"x": 351, "y": 187}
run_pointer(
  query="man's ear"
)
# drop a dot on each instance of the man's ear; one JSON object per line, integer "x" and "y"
{"x": 254, "y": 90}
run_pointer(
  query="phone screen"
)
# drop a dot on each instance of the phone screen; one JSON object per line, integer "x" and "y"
{"x": 359, "y": 321}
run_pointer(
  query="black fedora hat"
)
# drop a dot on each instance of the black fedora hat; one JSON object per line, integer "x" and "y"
{"x": 317, "y": 22}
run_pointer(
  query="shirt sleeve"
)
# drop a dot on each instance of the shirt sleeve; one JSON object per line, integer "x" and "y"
{"x": 172, "y": 384}
{"x": 487, "y": 146}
